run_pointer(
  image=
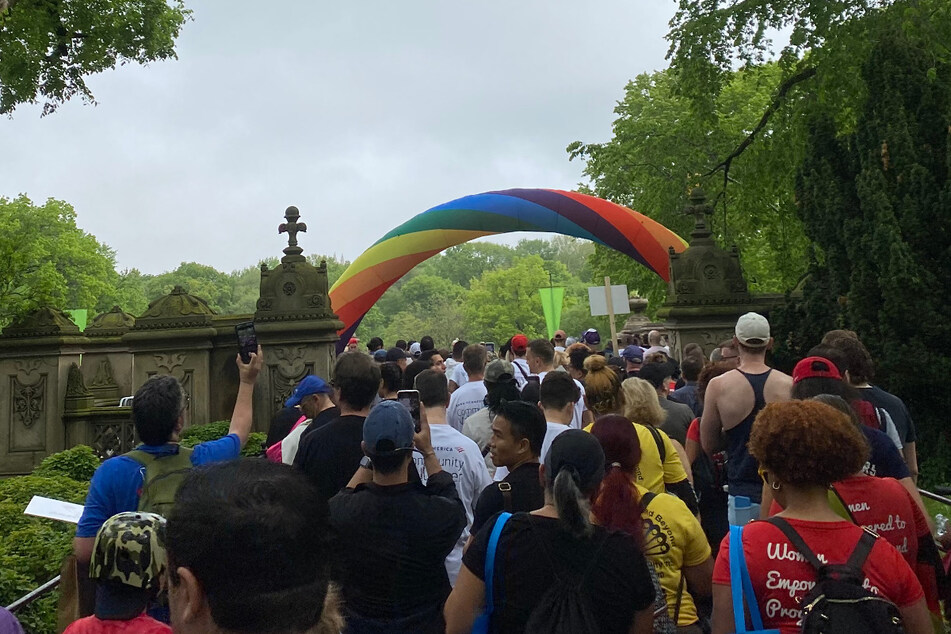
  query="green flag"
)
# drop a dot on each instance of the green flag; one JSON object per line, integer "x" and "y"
{"x": 79, "y": 316}
{"x": 552, "y": 299}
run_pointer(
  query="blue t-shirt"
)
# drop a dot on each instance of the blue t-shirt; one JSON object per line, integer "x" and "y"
{"x": 117, "y": 482}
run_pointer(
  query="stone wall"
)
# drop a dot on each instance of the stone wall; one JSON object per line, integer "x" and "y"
{"x": 60, "y": 387}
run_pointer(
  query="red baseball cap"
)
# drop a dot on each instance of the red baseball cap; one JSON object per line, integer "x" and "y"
{"x": 815, "y": 368}
{"x": 519, "y": 344}
{"x": 353, "y": 341}
{"x": 559, "y": 334}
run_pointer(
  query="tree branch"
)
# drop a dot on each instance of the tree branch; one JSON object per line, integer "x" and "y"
{"x": 781, "y": 93}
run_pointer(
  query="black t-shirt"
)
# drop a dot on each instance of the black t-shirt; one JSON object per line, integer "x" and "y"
{"x": 895, "y": 408}
{"x": 392, "y": 543}
{"x": 617, "y": 583}
{"x": 527, "y": 494}
{"x": 322, "y": 419}
{"x": 330, "y": 455}
{"x": 281, "y": 424}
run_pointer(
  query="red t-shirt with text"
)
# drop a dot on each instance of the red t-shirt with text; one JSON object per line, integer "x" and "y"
{"x": 142, "y": 624}
{"x": 782, "y": 578}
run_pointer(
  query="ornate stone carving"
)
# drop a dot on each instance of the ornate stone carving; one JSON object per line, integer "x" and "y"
{"x": 43, "y": 322}
{"x": 295, "y": 289}
{"x": 75, "y": 386}
{"x": 178, "y": 309}
{"x": 78, "y": 397}
{"x": 704, "y": 274}
{"x": 113, "y": 438}
{"x": 284, "y": 375}
{"x": 29, "y": 400}
{"x": 103, "y": 385}
{"x": 104, "y": 377}
{"x": 170, "y": 361}
{"x": 113, "y": 323}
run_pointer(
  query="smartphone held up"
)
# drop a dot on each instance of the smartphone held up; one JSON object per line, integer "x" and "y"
{"x": 410, "y": 400}
{"x": 247, "y": 340}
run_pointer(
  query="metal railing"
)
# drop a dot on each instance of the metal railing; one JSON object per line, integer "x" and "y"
{"x": 33, "y": 595}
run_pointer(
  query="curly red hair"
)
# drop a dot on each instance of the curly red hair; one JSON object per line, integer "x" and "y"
{"x": 807, "y": 443}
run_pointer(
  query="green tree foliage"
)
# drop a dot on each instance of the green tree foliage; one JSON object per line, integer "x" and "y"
{"x": 660, "y": 150}
{"x": 48, "y": 48}
{"x": 877, "y": 204}
{"x": 46, "y": 260}
{"x": 828, "y": 43}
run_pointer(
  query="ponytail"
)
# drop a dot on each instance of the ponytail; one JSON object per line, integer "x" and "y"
{"x": 618, "y": 505}
{"x": 572, "y": 505}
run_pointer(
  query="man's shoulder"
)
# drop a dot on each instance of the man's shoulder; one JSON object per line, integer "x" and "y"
{"x": 452, "y": 435}
{"x": 113, "y": 469}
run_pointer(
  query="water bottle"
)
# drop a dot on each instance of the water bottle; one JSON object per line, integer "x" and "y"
{"x": 941, "y": 525}
{"x": 743, "y": 509}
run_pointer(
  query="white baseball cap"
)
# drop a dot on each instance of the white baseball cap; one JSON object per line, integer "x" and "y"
{"x": 752, "y": 330}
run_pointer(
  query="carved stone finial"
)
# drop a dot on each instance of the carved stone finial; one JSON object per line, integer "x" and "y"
{"x": 292, "y": 252}
{"x": 699, "y": 209}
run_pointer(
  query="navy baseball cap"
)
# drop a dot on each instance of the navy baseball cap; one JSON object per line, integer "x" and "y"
{"x": 310, "y": 384}
{"x": 633, "y": 354}
{"x": 388, "y": 429}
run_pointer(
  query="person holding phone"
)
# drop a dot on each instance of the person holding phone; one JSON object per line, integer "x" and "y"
{"x": 393, "y": 535}
{"x": 458, "y": 454}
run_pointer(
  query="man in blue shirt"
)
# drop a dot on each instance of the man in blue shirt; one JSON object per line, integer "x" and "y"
{"x": 158, "y": 411}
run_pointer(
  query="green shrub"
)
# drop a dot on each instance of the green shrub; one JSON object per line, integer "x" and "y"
{"x": 32, "y": 549}
{"x": 219, "y": 429}
{"x": 78, "y": 463}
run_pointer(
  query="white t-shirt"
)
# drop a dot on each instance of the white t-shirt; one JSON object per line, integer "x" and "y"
{"x": 291, "y": 442}
{"x": 579, "y": 406}
{"x": 458, "y": 375}
{"x": 451, "y": 365}
{"x": 465, "y": 402}
{"x": 459, "y": 456}
{"x": 553, "y": 430}
{"x": 521, "y": 378}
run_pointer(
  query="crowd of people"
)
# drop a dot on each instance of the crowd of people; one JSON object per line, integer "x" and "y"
{"x": 549, "y": 486}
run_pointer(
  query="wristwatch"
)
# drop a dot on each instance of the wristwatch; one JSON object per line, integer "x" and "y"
{"x": 366, "y": 463}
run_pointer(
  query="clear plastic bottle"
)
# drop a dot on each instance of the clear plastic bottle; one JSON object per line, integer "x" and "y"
{"x": 941, "y": 525}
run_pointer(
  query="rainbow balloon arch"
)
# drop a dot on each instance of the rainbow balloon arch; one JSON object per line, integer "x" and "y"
{"x": 491, "y": 213}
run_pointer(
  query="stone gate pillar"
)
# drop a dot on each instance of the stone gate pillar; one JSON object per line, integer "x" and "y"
{"x": 707, "y": 291}
{"x": 294, "y": 322}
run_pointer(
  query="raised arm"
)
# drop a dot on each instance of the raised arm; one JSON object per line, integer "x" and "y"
{"x": 241, "y": 417}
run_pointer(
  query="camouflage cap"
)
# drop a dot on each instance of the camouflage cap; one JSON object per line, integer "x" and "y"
{"x": 130, "y": 549}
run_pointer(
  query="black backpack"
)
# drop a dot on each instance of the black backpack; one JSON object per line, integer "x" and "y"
{"x": 564, "y": 608}
{"x": 839, "y": 602}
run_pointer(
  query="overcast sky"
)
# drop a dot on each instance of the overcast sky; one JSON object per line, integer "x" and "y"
{"x": 362, "y": 114}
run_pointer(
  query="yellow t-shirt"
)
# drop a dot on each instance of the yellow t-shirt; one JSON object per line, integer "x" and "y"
{"x": 651, "y": 473}
{"x": 673, "y": 540}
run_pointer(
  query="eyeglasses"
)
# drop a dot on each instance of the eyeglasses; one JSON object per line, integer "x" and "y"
{"x": 762, "y": 474}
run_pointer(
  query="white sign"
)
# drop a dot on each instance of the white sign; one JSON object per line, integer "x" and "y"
{"x": 54, "y": 509}
{"x": 599, "y": 304}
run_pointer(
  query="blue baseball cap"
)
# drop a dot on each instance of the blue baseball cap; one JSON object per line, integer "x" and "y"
{"x": 310, "y": 384}
{"x": 388, "y": 429}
